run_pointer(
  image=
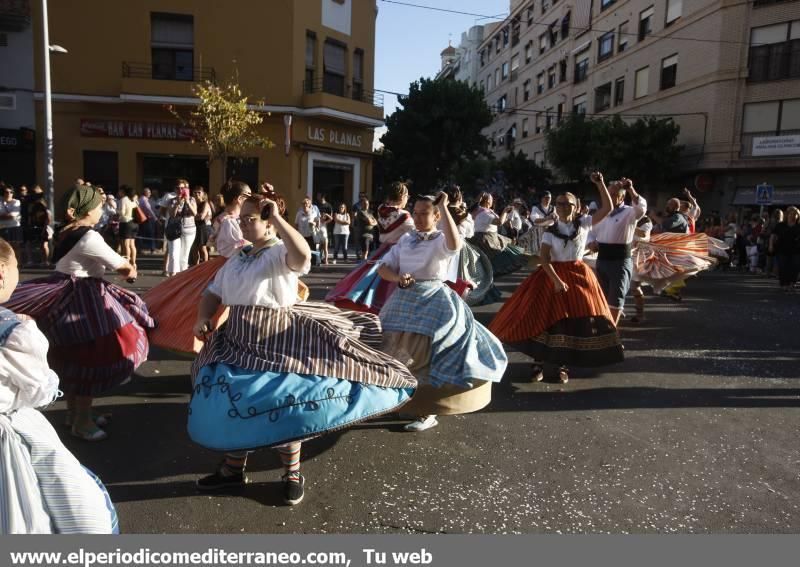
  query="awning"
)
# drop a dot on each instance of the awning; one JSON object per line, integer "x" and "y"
{"x": 782, "y": 196}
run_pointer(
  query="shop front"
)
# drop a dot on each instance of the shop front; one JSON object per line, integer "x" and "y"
{"x": 17, "y": 156}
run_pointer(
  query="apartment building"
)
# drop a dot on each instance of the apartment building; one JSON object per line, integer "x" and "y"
{"x": 17, "y": 117}
{"x": 462, "y": 63}
{"x": 311, "y": 63}
{"x": 727, "y": 71}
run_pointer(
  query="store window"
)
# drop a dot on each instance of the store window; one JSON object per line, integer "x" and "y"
{"x": 101, "y": 168}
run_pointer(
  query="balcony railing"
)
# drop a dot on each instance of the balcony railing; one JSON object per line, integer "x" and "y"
{"x": 163, "y": 73}
{"x": 339, "y": 88}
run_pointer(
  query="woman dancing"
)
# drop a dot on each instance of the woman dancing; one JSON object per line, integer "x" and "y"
{"x": 97, "y": 330}
{"x": 45, "y": 489}
{"x": 363, "y": 289}
{"x": 506, "y": 257}
{"x": 273, "y": 375}
{"x": 559, "y": 314}
{"x": 428, "y": 326}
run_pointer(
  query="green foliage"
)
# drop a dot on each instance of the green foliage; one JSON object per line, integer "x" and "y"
{"x": 436, "y": 132}
{"x": 223, "y": 122}
{"x": 522, "y": 173}
{"x": 645, "y": 151}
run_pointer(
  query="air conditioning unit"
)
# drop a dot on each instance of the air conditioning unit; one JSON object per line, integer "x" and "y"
{"x": 8, "y": 101}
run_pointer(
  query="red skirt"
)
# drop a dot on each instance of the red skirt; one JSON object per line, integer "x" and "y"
{"x": 572, "y": 328}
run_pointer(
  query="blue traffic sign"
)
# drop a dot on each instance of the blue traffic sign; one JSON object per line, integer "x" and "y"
{"x": 764, "y": 194}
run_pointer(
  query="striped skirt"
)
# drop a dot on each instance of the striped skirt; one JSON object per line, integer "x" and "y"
{"x": 270, "y": 376}
{"x": 463, "y": 352}
{"x": 506, "y": 257}
{"x": 669, "y": 258}
{"x": 573, "y": 328}
{"x": 173, "y": 304}
{"x": 363, "y": 289}
{"x": 43, "y": 487}
{"x": 96, "y": 330}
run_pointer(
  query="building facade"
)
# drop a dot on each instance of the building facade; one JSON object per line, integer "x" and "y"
{"x": 17, "y": 116}
{"x": 311, "y": 63}
{"x": 463, "y": 64}
{"x": 727, "y": 72}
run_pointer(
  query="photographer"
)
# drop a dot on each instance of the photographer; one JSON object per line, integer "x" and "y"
{"x": 182, "y": 212}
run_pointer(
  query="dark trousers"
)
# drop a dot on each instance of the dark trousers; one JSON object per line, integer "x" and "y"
{"x": 788, "y": 268}
{"x": 340, "y": 245}
{"x": 147, "y": 234}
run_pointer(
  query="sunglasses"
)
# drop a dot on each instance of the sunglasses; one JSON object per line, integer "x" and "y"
{"x": 249, "y": 220}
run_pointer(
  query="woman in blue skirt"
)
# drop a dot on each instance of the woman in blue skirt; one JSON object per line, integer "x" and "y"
{"x": 277, "y": 373}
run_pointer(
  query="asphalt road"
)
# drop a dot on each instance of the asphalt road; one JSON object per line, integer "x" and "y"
{"x": 696, "y": 432}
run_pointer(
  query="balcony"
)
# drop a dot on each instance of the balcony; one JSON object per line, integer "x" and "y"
{"x": 333, "y": 93}
{"x": 149, "y": 79}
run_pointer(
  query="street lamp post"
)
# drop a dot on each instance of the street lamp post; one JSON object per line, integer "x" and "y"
{"x": 48, "y": 113}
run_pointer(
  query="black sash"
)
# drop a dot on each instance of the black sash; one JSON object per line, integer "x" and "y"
{"x": 66, "y": 241}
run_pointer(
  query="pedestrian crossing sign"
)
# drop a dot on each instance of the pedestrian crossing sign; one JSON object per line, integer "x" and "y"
{"x": 764, "y": 194}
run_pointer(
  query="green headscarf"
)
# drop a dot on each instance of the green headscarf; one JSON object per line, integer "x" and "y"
{"x": 83, "y": 199}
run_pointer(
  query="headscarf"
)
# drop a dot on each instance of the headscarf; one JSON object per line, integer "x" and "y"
{"x": 82, "y": 199}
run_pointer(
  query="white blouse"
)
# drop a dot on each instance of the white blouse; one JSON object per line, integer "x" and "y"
{"x": 89, "y": 258}
{"x": 228, "y": 239}
{"x": 569, "y": 250}
{"x": 484, "y": 221}
{"x": 341, "y": 228}
{"x": 261, "y": 279}
{"x": 26, "y": 379}
{"x": 423, "y": 259}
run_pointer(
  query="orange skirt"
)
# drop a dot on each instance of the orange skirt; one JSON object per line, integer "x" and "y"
{"x": 572, "y": 328}
{"x": 173, "y": 304}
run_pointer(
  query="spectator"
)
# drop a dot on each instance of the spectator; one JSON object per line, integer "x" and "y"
{"x": 205, "y": 212}
{"x": 364, "y": 223}
{"x": 183, "y": 210}
{"x": 147, "y": 229}
{"x": 771, "y": 268}
{"x": 127, "y": 226}
{"x": 785, "y": 244}
{"x": 307, "y": 222}
{"x": 325, "y": 218}
{"x": 10, "y": 228}
{"x": 341, "y": 232}
{"x": 37, "y": 233}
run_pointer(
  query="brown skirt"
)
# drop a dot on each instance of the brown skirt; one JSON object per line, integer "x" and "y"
{"x": 414, "y": 350}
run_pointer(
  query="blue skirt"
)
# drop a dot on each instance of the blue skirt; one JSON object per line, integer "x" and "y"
{"x": 234, "y": 409}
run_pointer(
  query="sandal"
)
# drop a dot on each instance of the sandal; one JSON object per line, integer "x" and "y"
{"x": 99, "y": 419}
{"x": 563, "y": 375}
{"x": 537, "y": 373}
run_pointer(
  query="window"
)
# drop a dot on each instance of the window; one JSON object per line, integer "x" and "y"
{"x": 581, "y": 70}
{"x": 775, "y": 52}
{"x": 550, "y": 118}
{"x": 669, "y": 71}
{"x": 8, "y": 101}
{"x": 505, "y": 36}
{"x": 542, "y": 43}
{"x": 524, "y": 127}
{"x": 773, "y": 118}
{"x": 674, "y": 9}
{"x": 642, "y": 79}
{"x": 602, "y": 97}
{"x": 311, "y": 60}
{"x": 529, "y": 15}
{"x": 579, "y": 104}
{"x": 528, "y": 52}
{"x": 497, "y": 76}
{"x": 559, "y": 112}
{"x": 172, "y": 46}
{"x": 552, "y": 31}
{"x": 646, "y": 23}
{"x": 497, "y": 43}
{"x": 537, "y": 158}
{"x": 511, "y": 136}
{"x": 622, "y": 44}
{"x": 502, "y": 103}
{"x": 333, "y": 61}
{"x": 101, "y": 167}
{"x": 514, "y": 66}
{"x": 483, "y": 57}
{"x": 482, "y": 86}
{"x": 526, "y": 90}
{"x": 515, "y": 26}
{"x": 562, "y": 71}
{"x": 504, "y": 74}
{"x": 605, "y": 4}
{"x": 545, "y": 6}
{"x": 539, "y": 122}
{"x": 358, "y": 74}
{"x": 551, "y": 77}
{"x": 605, "y": 46}
{"x": 489, "y": 83}
{"x": 540, "y": 83}
{"x": 565, "y": 21}
{"x": 619, "y": 91}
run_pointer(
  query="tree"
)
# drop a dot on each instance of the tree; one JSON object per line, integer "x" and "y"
{"x": 569, "y": 147}
{"x": 223, "y": 122}
{"x": 646, "y": 150}
{"x": 436, "y": 132}
{"x": 521, "y": 173}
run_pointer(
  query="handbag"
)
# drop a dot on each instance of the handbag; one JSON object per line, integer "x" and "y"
{"x": 174, "y": 229}
{"x": 138, "y": 215}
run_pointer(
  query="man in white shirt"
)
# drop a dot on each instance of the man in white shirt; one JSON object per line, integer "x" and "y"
{"x": 614, "y": 236}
